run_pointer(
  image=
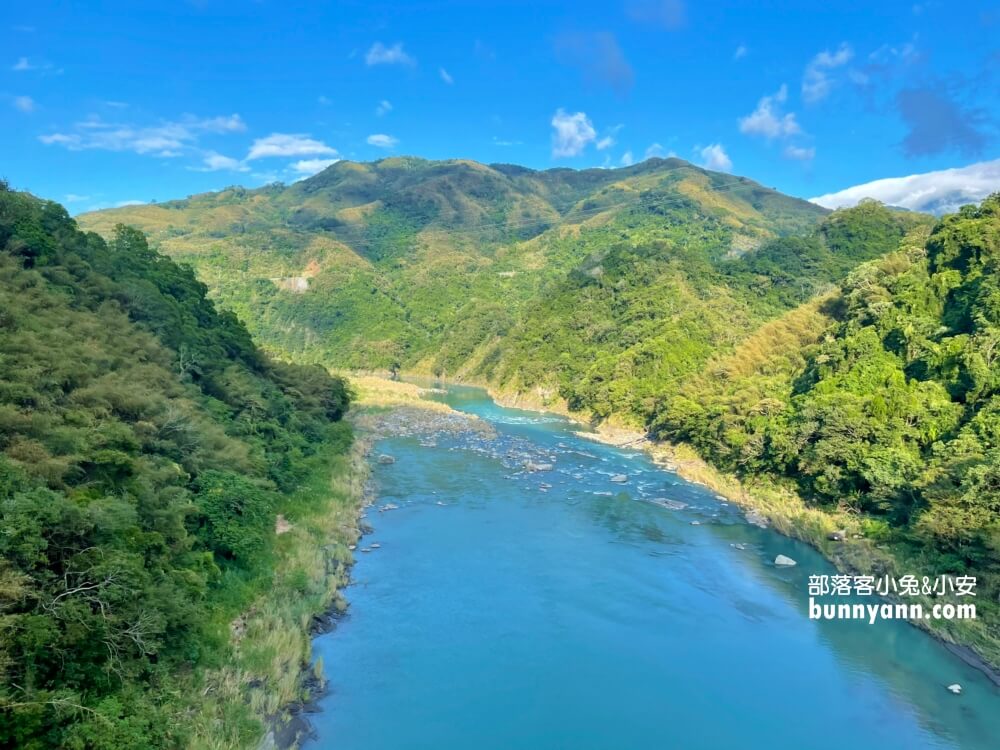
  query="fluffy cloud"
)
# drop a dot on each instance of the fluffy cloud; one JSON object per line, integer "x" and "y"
{"x": 608, "y": 140}
{"x": 740, "y": 52}
{"x": 936, "y": 192}
{"x": 657, "y": 151}
{"x": 627, "y": 159}
{"x": 22, "y": 65}
{"x": 384, "y": 107}
{"x": 379, "y": 54}
{"x": 938, "y": 123}
{"x": 215, "y": 162}
{"x": 381, "y": 140}
{"x": 714, "y": 157}
{"x": 446, "y": 76}
{"x": 165, "y": 139}
{"x": 24, "y": 104}
{"x": 799, "y": 153}
{"x": 768, "y": 121}
{"x": 598, "y": 55}
{"x": 816, "y": 83}
{"x": 309, "y": 167}
{"x": 288, "y": 144}
{"x": 571, "y": 133}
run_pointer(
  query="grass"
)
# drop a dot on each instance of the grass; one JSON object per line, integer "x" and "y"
{"x": 268, "y": 669}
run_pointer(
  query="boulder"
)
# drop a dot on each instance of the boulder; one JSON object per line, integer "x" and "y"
{"x": 670, "y": 504}
{"x": 385, "y": 458}
{"x": 784, "y": 562}
{"x": 955, "y": 688}
{"x": 756, "y": 518}
{"x": 531, "y": 466}
{"x": 837, "y": 536}
{"x": 619, "y": 478}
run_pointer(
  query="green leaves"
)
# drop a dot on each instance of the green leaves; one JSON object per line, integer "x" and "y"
{"x": 143, "y": 442}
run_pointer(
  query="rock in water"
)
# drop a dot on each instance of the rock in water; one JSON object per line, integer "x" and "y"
{"x": 530, "y": 466}
{"x": 385, "y": 458}
{"x": 620, "y": 478}
{"x": 955, "y": 688}
{"x": 784, "y": 562}
{"x": 756, "y": 518}
{"x": 670, "y": 504}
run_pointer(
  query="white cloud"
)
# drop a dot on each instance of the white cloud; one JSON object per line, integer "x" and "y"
{"x": 572, "y": 133}
{"x": 655, "y": 150}
{"x": 74, "y": 198}
{"x": 379, "y": 54}
{"x": 24, "y": 104}
{"x": 446, "y": 76}
{"x": 309, "y": 167}
{"x": 768, "y": 121}
{"x": 799, "y": 153}
{"x": 324, "y": 100}
{"x": 121, "y": 204}
{"x": 166, "y": 139}
{"x": 714, "y": 156}
{"x": 627, "y": 159}
{"x": 740, "y": 52}
{"x": 25, "y": 65}
{"x": 608, "y": 140}
{"x": 288, "y": 144}
{"x": 936, "y": 192}
{"x": 227, "y": 124}
{"x": 216, "y": 162}
{"x": 384, "y": 107}
{"x": 381, "y": 140}
{"x": 816, "y": 83}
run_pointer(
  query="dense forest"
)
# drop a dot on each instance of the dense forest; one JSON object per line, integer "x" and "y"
{"x": 146, "y": 448}
{"x": 659, "y": 292}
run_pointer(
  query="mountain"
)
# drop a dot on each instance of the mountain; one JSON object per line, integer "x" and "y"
{"x": 146, "y": 449}
{"x": 418, "y": 263}
{"x": 602, "y": 287}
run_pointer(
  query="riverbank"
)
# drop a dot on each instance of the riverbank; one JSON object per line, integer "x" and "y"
{"x": 273, "y": 672}
{"x": 766, "y": 503}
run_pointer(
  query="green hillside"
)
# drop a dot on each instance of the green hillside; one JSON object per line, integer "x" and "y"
{"x": 146, "y": 450}
{"x": 883, "y": 401}
{"x": 418, "y": 263}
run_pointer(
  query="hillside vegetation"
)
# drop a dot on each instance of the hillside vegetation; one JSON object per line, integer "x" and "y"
{"x": 146, "y": 448}
{"x": 849, "y": 358}
{"x": 417, "y": 264}
{"x": 882, "y": 400}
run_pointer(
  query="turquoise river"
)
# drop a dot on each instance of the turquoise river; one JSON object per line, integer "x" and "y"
{"x": 539, "y": 610}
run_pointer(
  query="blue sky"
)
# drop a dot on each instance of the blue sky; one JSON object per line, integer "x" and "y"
{"x": 107, "y": 102}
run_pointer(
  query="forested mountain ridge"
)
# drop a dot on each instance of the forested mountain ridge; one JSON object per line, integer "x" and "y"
{"x": 146, "y": 446}
{"x": 417, "y": 263}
